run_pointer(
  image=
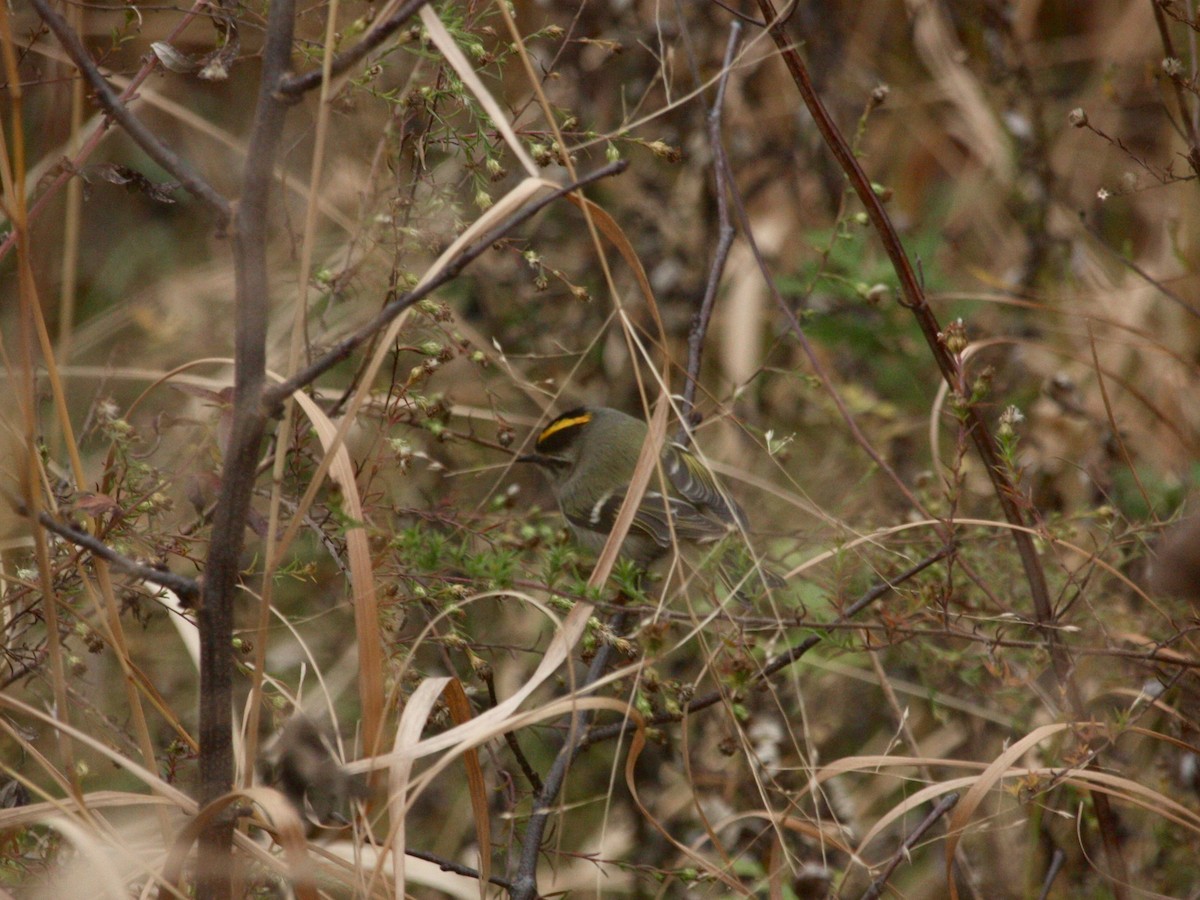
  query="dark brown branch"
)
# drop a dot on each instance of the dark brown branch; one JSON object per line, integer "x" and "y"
{"x": 913, "y": 297}
{"x": 296, "y": 85}
{"x": 944, "y": 806}
{"x": 725, "y": 235}
{"x": 215, "y": 616}
{"x": 449, "y": 865}
{"x": 191, "y": 180}
{"x": 68, "y": 169}
{"x": 188, "y": 589}
{"x": 276, "y": 394}
{"x": 524, "y": 885}
{"x": 510, "y": 738}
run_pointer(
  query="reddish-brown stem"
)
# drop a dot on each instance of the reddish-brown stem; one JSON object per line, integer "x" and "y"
{"x": 913, "y": 297}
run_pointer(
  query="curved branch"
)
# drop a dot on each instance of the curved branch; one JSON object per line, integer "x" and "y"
{"x": 913, "y": 297}
{"x": 191, "y": 180}
{"x": 725, "y": 235}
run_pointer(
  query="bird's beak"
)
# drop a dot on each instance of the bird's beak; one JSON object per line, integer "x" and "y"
{"x": 540, "y": 459}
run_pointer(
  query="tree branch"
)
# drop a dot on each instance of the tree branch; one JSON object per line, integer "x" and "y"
{"x": 913, "y": 297}
{"x": 274, "y": 396}
{"x": 188, "y": 589}
{"x": 725, "y": 235}
{"x": 191, "y": 180}
{"x": 294, "y": 86}
{"x": 524, "y": 886}
{"x": 215, "y": 616}
{"x": 944, "y": 806}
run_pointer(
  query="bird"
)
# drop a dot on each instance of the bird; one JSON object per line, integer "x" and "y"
{"x": 588, "y": 455}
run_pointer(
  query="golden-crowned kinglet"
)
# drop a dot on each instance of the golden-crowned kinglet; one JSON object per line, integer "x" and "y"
{"x": 589, "y": 455}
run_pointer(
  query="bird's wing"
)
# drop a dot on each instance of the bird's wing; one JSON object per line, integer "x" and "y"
{"x": 651, "y": 518}
{"x": 697, "y": 485}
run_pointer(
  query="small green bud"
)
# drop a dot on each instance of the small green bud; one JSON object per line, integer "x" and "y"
{"x": 954, "y": 338}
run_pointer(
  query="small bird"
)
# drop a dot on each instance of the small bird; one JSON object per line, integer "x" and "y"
{"x": 589, "y": 454}
{"x": 301, "y": 761}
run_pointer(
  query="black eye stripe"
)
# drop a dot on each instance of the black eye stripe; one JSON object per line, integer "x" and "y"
{"x": 559, "y": 433}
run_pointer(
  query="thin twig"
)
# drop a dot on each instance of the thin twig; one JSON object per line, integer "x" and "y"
{"x": 1189, "y": 126}
{"x": 274, "y": 396}
{"x": 188, "y": 589}
{"x": 913, "y": 297}
{"x": 749, "y": 20}
{"x": 944, "y": 806}
{"x": 295, "y": 86}
{"x": 1140, "y": 272}
{"x": 510, "y": 738}
{"x": 69, "y": 169}
{"x": 725, "y": 235}
{"x": 191, "y": 180}
{"x": 525, "y": 883}
{"x": 778, "y": 662}
{"x": 449, "y": 865}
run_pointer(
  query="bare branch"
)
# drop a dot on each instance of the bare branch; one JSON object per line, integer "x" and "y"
{"x": 296, "y": 85}
{"x": 725, "y": 235}
{"x": 275, "y": 395}
{"x": 944, "y": 806}
{"x": 913, "y": 297}
{"x": 193, "y": 182}
{"x": 524, "y": 885}
{"x": 188, "y": 589}
{"x": 215, "y": 616}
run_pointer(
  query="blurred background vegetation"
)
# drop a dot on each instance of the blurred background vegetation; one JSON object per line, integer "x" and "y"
{"x": 1034, "y": 157}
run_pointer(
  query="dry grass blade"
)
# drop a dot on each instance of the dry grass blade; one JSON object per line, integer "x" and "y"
{"x": 289, "y": 830}
{"x": 445, "y": 43}
{"x": 408, "y": 732}
{"x": 636, "y": 746}
{"x": 460, "y": 712}
{"x": 362, "y": 578}
{"x": 999, "y": 250}
{"x": 996, "y": 772}
{"x": 612, "y": 230}
{"x": 495, "y": 720}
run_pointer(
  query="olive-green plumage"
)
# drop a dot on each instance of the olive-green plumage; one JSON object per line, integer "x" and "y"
{"x": 589, "y": 455}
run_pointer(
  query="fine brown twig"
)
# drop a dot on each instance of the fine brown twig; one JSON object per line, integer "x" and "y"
{"x": 725, "y": 235}
{"x": 274, "y": 396}
{"x": 943, "y": 806}
{"x": 188, "y": 589}
{"x": 295, "y": 86}
{"x": 191, "y": 180}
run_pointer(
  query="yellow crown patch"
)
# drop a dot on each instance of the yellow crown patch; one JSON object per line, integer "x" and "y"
{"x": 563, "y": 423}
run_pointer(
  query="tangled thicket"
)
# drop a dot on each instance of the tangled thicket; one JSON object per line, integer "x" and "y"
{"x": 981, "y": 674}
